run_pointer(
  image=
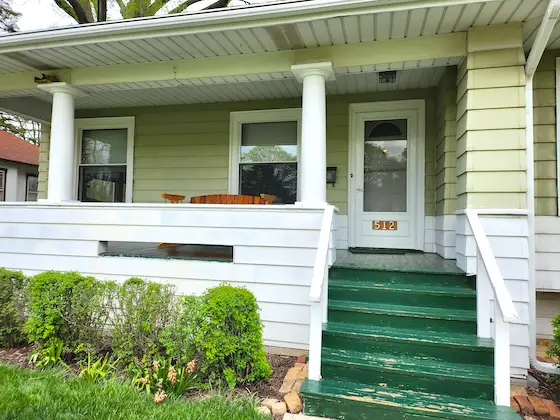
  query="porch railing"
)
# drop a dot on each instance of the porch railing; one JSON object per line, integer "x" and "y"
{"x": 490, "y": 284}
{"x": 319, "y": 292}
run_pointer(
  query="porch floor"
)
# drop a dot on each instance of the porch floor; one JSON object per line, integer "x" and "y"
{"x": 419, "y": 262}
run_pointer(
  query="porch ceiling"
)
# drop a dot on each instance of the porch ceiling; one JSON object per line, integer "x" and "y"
{"x": 412, "y": 75}
{"x": 298, "y": 32}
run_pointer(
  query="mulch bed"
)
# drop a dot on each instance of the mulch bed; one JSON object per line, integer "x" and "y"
{"x": 549, "y": 386}
{"x": 18, "y": 356}
{"x": 269, "y": 389}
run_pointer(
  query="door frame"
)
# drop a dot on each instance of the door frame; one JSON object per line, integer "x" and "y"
{"x": 418, "y": 105}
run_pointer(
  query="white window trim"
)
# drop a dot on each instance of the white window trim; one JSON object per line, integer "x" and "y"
{"x": 109, "y": 123}
{"x": 237, "y": 119}
{"x": 557, "y": 136}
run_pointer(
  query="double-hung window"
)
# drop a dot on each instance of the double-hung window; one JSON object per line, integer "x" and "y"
{"x": 264, "y": 154}
{"x": 3, "y": 184}
{"x": 31, "y": 185}
{"x": 105, "y": 159}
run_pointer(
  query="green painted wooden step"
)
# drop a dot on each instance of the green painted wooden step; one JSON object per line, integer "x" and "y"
{"x": 452, "y": 347}
{"x": 393, "y": 278}
{"x": 401, "y": 316}
{"x": 354, "y": 401}
{"x": 449, "y": 294}
{"x": 409, "y": 372}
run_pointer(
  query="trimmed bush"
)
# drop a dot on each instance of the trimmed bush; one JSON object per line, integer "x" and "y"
{"x": 143, "y": 311}
{"x": 14, "y": 304}
{"x": 229, "y": 335}
{"x": 70, "y": 308}
{"x": 178, "y": 338}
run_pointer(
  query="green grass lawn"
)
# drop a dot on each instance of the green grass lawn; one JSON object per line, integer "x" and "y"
{"x": 46, "y": 395}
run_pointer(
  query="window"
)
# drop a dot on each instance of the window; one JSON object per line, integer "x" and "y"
{"x": 264, "y": 155}
{"x": 105, "y": 159}
{"x": 385, "y": 166}
{"x": 3, "y": 184}
{"x": 31, "y": 188}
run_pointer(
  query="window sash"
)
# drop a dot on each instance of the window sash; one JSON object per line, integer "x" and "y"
{"x": 3, "y": 173}
{"x": 102, "y": 124}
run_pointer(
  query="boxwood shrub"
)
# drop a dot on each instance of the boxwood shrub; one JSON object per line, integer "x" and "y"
{"x": 13, "y": 307}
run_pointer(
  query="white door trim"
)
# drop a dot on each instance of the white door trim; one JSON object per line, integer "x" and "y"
{"x": 419, "y": 105}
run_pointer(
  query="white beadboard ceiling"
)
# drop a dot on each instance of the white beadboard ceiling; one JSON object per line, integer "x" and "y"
{"x": 246, "y": 88}
{"x": 308, "y": 34}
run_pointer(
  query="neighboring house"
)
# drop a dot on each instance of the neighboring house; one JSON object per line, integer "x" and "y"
{"x": 436, "y": 121}
{"x": 19, "y": 168}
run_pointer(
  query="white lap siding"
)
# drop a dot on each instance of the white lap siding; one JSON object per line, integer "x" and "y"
{"x": 274, "y": 251}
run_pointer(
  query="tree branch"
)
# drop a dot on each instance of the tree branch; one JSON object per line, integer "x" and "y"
{"x": 180, "y": 8}
{"x": 219, "y": 4}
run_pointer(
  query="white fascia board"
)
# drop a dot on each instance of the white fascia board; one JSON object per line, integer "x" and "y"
{"x": 214, "y": 20}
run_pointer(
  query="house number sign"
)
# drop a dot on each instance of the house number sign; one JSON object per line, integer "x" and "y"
{"x": 385, "y": 225}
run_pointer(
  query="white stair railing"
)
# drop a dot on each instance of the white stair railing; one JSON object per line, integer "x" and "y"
{"x": 318, "y": 294}
{"x": 490, "y": 285}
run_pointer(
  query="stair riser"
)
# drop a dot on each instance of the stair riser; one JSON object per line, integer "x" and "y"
{"x": 354, "y": 410}
{"x": 393, "y": 278}
{"x": 401, "y": 298}
{"x": 409, "y": 322}
{"x": 409, "y": 347}
{"x": 400, "y": 380}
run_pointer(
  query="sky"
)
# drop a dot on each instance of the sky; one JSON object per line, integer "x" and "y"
{"x": 43, "y": 14}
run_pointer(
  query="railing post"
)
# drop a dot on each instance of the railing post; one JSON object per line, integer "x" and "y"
{"x": 483, "y": 294}
{"x": 325, "y": 296}
{"x": 501, "y": 359}
{"x": 315, "y": 341}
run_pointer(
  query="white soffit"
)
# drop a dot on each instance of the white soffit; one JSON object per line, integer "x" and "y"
{"x": 247, "y": 88}
{"x": 305, "y": 34}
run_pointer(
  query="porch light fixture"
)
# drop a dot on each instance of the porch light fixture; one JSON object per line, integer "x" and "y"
{"x": 388, "y": 77}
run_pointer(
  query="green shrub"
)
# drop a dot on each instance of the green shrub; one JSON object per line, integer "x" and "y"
{"x": 178, "y": 337}
{"x": 229, "y": 335}
{"x": 70, "y": 308}
{"x": 13, "y": 307}
{"x": 143, "y": 311}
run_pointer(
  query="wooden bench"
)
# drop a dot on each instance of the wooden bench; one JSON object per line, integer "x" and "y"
{"x": 233, "y": 199}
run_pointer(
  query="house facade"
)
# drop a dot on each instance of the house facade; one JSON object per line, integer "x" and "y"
{"x": 19, "y": 169}
{"x": 429, "y": 127}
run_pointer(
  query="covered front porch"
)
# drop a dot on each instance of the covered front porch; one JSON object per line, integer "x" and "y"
{"x": 378, "y": 128}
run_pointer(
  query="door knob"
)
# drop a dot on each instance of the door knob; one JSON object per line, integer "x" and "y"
{"x": 360, "y": 189}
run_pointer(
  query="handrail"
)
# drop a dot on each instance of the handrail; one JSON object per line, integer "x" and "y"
{"x": 318, "y": 294}
{"x": 321, "y": 256}
{"x": 489, "y": 282}
{"x": 499, "y": 287}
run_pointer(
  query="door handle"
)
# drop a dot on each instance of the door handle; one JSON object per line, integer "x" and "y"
{"x": 360, "y": 189}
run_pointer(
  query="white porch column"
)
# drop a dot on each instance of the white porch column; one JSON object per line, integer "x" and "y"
{"x": 313, "y": 131}
{"x": 61, "y": 157}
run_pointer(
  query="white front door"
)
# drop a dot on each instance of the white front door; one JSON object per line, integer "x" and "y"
{"x": 387, "y": 175}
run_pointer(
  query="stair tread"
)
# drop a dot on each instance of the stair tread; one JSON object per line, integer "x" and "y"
{"x": 414, "y": 402}
{"x": 404, "y": 310}
{"x": 457, "y": 290}
{"x": 410, "y": 365}
{"x": 418, "y": 336}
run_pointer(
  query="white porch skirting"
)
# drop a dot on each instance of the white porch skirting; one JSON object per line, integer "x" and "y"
{"x": 274, "y": 250}
{"x": 445, "y": 236}
{"x": 508, "y": 236}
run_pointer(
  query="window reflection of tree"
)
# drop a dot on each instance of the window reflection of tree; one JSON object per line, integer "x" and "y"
{"x": 269, "y": 170}
{"x": 385, "y": 167}
{"x": 96, "y": 151}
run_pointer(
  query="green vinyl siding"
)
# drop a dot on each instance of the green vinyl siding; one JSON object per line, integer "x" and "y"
{"x": 184, "y": 149}
{"x": 544, "y": 97}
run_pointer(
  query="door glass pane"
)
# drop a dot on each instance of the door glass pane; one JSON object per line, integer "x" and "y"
{"x": 102, "y": 184}
{"x": 385, "y": 166}
{"x": 102, "y": 147}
